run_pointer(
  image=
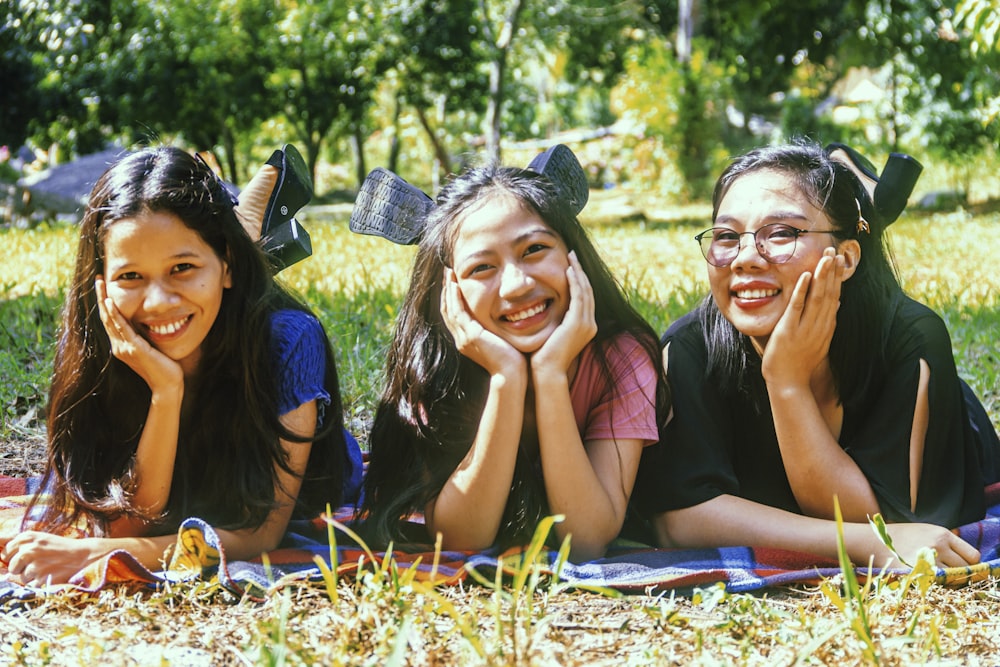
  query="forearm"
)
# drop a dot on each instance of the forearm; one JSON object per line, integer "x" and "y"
{"x": 731, "y": 521}
{"x": 469, "y": 508}
{"x": 156, "y": 452}
{"x": 594, "y": 509}
{"x": 818, "y": 469}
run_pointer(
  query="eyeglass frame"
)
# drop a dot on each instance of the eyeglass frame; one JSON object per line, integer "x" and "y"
{"x": 757, "y": 246}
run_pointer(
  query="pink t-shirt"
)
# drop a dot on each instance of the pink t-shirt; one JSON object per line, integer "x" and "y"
{"x": 628, "y": 412}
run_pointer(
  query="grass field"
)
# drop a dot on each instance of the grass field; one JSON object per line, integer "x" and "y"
{"x": 355, "y": 283}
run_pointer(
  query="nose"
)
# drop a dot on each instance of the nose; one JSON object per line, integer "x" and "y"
{"x": 514, "y": 281}
{"x": 159, "y": 297}
{"x": 748, "y": 253}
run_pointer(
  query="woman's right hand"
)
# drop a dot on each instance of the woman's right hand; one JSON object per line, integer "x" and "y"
{"x": 908, "y": 539}
{"x": 34, "y": 558}
{"x": 472, "y": 340}
{"x": 159, "y": 371}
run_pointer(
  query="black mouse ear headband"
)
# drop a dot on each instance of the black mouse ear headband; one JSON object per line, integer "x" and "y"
{"x": 389, "y": 207}
{"x": 888, "y": 193}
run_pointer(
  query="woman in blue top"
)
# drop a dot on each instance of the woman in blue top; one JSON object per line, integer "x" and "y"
{"x": 807, "y": 375}
{"x": 187, "y": 382}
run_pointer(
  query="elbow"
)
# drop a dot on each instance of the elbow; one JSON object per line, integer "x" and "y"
{"x": 676, "y": 529}
{"x": 586, "y": 547}
{"x": 452, "y": 540}
{"x": 588, "y": 552}
{"x": 270, "y": 544}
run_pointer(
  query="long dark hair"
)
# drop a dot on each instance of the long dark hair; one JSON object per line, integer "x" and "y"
{"x": 433, "y": 399}
{"x": 856, "y": 351}
{"x": 228, "y": 450}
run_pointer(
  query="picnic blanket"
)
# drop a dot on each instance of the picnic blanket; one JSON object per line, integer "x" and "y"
{"x": 627, "y": 567}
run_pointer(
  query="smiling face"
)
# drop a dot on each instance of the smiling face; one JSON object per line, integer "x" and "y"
{"x": 511, "y": 269}
{"x": 166, "y": 281}
{"x": 751, "y": 292}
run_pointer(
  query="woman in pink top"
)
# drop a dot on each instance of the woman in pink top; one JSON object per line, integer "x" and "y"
{"x": 520, "y": 382}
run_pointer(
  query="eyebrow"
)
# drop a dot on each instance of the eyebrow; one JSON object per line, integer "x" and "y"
{"x": 520, "y": 238}
{"x": 776, "y": 216}
{"x": 187, "y": 254}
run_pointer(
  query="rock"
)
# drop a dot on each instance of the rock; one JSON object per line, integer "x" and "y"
{"x": 942, "y": 200}
{"x": 65, "y": 188}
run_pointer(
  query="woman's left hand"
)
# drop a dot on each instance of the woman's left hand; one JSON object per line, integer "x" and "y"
{"x": 578, "y": 327}
{"x": 801, "y": 338}
{"x": 35, "y": 558}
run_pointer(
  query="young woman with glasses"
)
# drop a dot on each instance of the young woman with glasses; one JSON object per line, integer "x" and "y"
{"x": 807, "y": 376}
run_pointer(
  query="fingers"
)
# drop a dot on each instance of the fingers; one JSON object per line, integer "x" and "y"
{"x": 580, "y": 290}
{"x": 453, "y": 311}
{"x": 958, "y": 553}
{"x": 114, "y": 323}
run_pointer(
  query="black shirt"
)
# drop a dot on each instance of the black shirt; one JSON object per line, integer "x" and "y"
{"x": 718, "y": 443}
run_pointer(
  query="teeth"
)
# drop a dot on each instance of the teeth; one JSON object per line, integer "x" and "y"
{"x": 169, "y": 328}
{"x": 756, "y": 293}
{"x": 524, "y": 314}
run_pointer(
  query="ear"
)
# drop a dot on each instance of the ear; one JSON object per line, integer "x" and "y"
{"x": 851, "y": 251}
{"x": 227, "y": 273}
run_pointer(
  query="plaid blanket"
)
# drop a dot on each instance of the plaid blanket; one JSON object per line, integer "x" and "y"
{"x": 632, "y": 568}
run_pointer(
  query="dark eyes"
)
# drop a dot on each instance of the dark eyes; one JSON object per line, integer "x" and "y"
{"x": 781, "y": 232}
{"x": 130, "y": 276}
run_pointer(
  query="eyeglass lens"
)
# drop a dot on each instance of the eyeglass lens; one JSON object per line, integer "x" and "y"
{"x": 775, "y": 243}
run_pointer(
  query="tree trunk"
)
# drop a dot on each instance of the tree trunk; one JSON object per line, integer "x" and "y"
{"x": 394, "y": 144}
{"x": 358, "y": 144}
{"x": 685, "y": 30}
{"x": 439, "y": 151}
{"x": 498, "y": 69}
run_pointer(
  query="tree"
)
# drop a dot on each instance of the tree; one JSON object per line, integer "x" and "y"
{"x": 20, "y": 74}
{"x": 53, "y": 59}
{"x": 980, "y": 19}
{"x": 499, "y": 37}
{"x": 327, "y": 73}
{"x": 197, "y": 70}
{"x": 438, "y": 58}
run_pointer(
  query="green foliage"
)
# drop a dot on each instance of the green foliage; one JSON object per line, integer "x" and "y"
{"x": 327, "y": 59}
{"x": 27, "y": 343}
{"x": 677, "y": 104}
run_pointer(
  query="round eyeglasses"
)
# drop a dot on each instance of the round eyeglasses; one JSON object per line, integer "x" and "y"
{"x": 774, "y": 242}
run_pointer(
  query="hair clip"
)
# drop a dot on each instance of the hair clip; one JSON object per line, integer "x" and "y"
{"x": 390, "y": 207}
{"x": 862, "y": 225}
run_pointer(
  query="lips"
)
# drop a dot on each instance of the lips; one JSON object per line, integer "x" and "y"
{"x": 166, "y": 329}
{"x": 522, "y": 315}
{"x": 755, "y": 293}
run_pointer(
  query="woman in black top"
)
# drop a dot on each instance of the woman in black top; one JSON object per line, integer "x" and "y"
{"x": 807, "y": 375}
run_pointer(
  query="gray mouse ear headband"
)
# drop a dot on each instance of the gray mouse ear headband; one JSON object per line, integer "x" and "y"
{"x": 389, "y": 207}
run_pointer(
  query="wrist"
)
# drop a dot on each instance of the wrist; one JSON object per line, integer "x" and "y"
{"x": 548, "y": 377}
{"x": 164, "y": 392}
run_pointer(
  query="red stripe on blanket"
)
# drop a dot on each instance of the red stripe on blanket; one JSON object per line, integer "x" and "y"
{"x": 13, "y": 486}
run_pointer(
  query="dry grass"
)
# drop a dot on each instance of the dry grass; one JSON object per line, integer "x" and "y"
{"x": 374, "y": 621}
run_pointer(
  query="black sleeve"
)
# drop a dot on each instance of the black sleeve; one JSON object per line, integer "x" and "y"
{"x": 950, "y": 491}
{"x": 692, "y": 463}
